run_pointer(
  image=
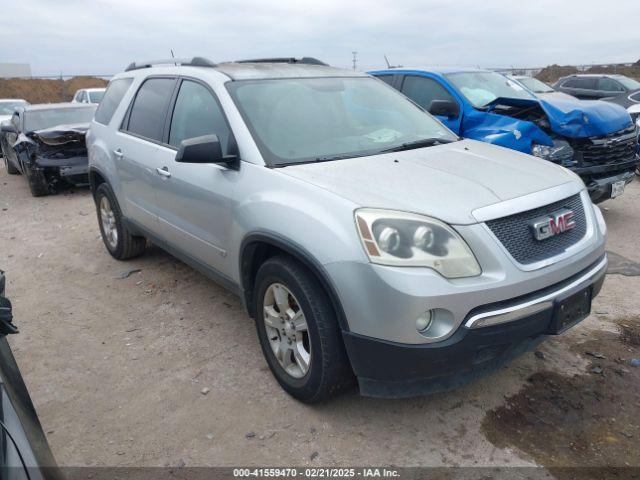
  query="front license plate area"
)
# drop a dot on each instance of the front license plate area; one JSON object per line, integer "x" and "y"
{"x": 570, "y": 310}
{"x": 617, "y": 188}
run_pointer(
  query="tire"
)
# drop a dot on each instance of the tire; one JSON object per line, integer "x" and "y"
{"x": 11, "y": 169}
{"x": 38, "y": 184}
{"x": 125, "y": 245}
{"x": 329, "y": 371}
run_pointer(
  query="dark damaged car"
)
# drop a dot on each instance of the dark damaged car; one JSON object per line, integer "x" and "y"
{"x": 46, "y": 143}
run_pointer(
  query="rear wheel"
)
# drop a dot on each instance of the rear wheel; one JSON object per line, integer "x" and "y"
{"x": 120, "y": 242}
{"x": 11, "y": 169}
{"x": 299, "y": 333}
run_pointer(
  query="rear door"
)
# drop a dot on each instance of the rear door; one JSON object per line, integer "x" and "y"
{"x": 424, "y": 90}
{"x": 136, "y": 149}
{"x": 195, "y": 204}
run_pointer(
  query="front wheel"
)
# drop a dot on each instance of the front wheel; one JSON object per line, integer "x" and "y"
{"x": 298, "y": 332}
{"x": 38, "y": 184}
{"x": 11, "y": 169}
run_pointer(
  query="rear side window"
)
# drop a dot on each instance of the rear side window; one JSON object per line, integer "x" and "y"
{"x": 588, "y": 83}
{"x": 424, "y": 90}
{"x": 111, "y": 100}
{"x": 197, "y": 113}
{"x": 147, "y": 115}
{"x": 635, "y": 97}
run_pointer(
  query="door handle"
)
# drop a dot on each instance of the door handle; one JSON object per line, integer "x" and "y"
{"x": 164, "y": 171}
{"x": 118, "y": 153}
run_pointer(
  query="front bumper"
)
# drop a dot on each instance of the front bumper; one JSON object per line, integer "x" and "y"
{"x": 489, "y": 337}
{"x": 600, "y": 188}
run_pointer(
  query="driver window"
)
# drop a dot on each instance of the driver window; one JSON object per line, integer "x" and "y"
{"x": 424, "y": 90}
{"x": 609, "y": 85}
{"x": 197, "y": 113}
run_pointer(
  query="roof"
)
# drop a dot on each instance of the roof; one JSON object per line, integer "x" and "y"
{"x": 97, "y": 89}
{"x": 254, "y": 71}
{"x": 594, "y": 75}
{"x": 13, "y": 100}
{"x": 55, "y": 106}
{"x": 258, "y": 69}
{"x": 443, "y": 70}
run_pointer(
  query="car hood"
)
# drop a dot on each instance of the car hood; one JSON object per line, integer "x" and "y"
{"x": 61, "y": 134}
{"x": 446, "y": 181}
{"x": 574, "y": 118}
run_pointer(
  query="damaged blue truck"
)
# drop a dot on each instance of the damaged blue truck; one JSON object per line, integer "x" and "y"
{"x": 596, "y": 140}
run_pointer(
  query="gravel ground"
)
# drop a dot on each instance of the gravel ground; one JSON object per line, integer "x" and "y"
{"x": 116, "y": 366}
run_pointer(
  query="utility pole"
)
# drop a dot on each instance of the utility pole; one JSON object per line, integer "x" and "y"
{"x": 355, "y": 59}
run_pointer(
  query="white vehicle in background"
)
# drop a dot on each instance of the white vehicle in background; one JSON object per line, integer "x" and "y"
{"x": 538, "y": 87}
{"x": 88, "y": 95}
{"x": 8, "y": 106}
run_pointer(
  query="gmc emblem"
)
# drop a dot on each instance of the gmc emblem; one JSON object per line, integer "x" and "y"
{"x": 552, "y": 225}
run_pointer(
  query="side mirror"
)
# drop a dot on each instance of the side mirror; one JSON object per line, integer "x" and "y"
{"x": 8, "y": 128}
{"x": 205, "y": 149}
{"x": 444, "y": 108}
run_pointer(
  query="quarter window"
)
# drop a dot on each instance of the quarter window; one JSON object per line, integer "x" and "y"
{"x": 147, "y": 115}
{"x": 111, "y": 100}
{"x": 197, "y": 113}
{"x": 424, "y": 90}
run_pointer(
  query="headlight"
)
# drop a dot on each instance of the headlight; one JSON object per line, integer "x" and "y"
{"x": 561, "y": 152}
{"x": 407, "y": 239}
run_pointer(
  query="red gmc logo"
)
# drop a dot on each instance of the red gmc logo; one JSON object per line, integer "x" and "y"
{"x": 552, "y": 225}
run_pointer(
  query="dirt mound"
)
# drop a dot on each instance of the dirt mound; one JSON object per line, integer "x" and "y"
{"x": 38, "y": 90}
{"x": 552, "y": 73}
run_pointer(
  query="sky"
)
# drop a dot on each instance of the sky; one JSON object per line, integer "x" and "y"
{"x": 101, "y": 37}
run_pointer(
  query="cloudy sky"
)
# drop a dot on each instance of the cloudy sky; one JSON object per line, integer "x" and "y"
{"x": 103, "y": 36}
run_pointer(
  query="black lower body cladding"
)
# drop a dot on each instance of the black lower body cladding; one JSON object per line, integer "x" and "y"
{"x": 388, "y": 369}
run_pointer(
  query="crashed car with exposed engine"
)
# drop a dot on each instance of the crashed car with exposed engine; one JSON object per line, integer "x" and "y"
{"x": 596, "y": 140}
{"x": 46, "y": 143}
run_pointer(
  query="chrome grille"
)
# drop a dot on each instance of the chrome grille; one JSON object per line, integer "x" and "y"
{"x": 515, "y": 232}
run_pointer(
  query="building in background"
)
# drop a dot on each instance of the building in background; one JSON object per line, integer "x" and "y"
{"x": 11, "y": 70}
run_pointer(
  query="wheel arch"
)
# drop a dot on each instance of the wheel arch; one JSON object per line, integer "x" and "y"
{"x": 258, "y": 247}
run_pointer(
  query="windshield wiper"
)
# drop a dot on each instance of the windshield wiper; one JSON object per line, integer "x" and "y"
{"x": 423, "y": 142}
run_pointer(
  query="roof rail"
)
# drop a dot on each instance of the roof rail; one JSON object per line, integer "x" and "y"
{"x": 303, "y": 60}
{"x": 191, "y": 62}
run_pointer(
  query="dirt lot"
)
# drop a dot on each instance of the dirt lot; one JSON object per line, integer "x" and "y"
{"x": 116, "y": 367}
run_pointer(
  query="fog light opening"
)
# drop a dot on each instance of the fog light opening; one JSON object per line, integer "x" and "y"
{"x": 424, "y": 321}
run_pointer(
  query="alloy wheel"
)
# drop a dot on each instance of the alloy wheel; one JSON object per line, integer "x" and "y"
{"x": 287, "y": 330}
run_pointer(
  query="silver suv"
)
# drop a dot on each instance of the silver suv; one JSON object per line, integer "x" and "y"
{"x": 366, "y": 239}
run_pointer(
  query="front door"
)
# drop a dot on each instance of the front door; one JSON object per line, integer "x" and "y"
{"x": 195, "y": 200}
{"x": 424, "y": 90}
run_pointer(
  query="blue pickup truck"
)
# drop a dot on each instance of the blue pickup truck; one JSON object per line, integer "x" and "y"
{"x": 595, "y": 139}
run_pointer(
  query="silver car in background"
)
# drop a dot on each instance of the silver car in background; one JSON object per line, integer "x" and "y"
{"x": 364, "y": 237}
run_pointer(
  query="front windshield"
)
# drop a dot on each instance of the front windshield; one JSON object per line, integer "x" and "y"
{"x": 41, "y": 119}
{"x": 95, "y": 97}
{"x": 297, "y": 120}
{"x": 481, "y": 88}
{"x": 629, "y": 83}
{"x": 535, "y": 85}
{"x": 7, "y": 108}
